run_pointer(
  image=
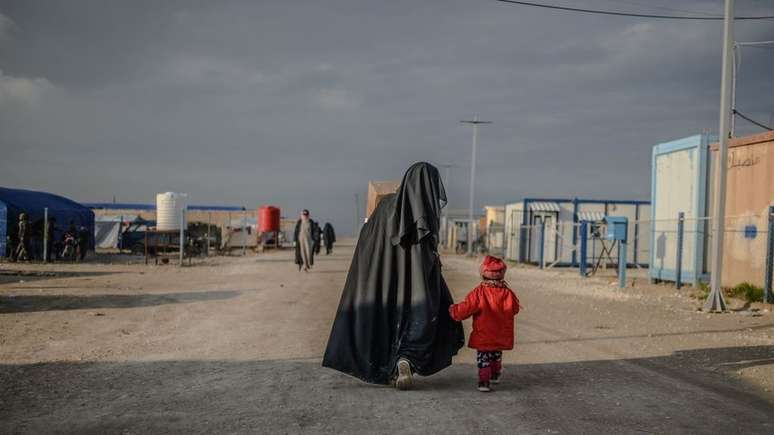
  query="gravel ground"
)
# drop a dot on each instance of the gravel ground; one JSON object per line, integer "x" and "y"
{"x": 233, "y": 345}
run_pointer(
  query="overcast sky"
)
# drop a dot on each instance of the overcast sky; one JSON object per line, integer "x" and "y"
{"x": 300, "y": 103}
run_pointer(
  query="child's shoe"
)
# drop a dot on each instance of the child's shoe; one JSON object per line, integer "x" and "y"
{"x": 497, "y": 371}
{"x": 484, "y": 376}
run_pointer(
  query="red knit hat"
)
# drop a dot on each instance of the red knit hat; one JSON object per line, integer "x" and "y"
{"x": 493, "y": 268}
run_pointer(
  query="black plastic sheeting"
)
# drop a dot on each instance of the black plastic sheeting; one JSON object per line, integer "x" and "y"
{"x": 15, "y": 201}
{"x": 395, "y": 302}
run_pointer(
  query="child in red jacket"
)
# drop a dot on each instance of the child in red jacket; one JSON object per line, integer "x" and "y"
{"x": 493, "y": 306}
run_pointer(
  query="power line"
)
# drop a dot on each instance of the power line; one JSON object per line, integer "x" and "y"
{"x": 629, "y": 14}
{"x": 752, "y": 121}
{"x": 665, "y": 8}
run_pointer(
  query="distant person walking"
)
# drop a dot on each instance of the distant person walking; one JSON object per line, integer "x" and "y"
{"x": 83, "y": 242}
{"x": 329, "y": 236}
{"x": 21, "y": 252}
{"x": 303, "y": 240}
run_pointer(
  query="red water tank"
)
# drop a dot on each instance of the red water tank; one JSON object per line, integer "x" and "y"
{"x": 268, "y": 219}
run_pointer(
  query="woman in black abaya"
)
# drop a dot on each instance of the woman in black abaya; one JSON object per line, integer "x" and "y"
{"x": 393, "y": 315}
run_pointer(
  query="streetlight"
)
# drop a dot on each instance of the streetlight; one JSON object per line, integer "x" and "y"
{"x": 475, "y": 123}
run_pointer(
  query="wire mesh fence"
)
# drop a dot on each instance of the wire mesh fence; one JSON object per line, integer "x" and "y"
{"x": 675, "y": 250}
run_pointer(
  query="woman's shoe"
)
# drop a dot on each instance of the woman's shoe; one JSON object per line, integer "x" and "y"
{"x": 484, "y": 387}
{"x": 404, "y": 375}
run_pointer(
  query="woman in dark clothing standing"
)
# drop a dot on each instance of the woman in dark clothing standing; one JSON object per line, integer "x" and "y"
{"x": 393, "y": 315}
{"x": 329, "y": 236}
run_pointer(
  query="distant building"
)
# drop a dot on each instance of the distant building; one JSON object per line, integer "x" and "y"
{"x": 683, "y": 180}
{"x": 494, "y": 229}
{"x": 377, "y": 190}
{"x": 525, "y": 220}
{"x": 749, "y": 193}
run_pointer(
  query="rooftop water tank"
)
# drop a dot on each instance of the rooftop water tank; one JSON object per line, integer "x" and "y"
{"x": 168, "y": 210}
{"x": 268, "y": 219}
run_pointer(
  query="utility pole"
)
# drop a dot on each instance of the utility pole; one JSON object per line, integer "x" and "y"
{"x": 715, "y": 301}
{"x": 475, "y": 123}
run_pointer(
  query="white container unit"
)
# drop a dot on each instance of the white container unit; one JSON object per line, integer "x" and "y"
{"x": 169, "y": 206}
{"x": 514, "y": 215}
{"x": 679, "y": 184}
{"x": 524, "y": 222}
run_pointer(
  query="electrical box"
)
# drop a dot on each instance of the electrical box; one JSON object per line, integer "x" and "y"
{"x": 617, "y": 228}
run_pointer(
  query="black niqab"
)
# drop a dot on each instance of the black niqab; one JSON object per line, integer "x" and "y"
{"x": 395, "y": 301}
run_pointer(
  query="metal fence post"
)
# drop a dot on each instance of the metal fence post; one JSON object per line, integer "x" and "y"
{"x": 45, "y": 235}
{"x": 543, "y": 243}
{"x": 584, "y": 232}
{"x": 679, "y": 258}
{"x": 768, "y": 297}
{"x": 244, "y": 232}
{"x": 622, "y": 249}
{"x": 182, "y": 235}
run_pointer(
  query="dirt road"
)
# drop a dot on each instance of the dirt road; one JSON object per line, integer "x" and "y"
{"x": 233, "y": 345}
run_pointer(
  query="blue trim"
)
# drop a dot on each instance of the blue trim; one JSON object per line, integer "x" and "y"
{"x": 575, "y": 232}
{"x": 134, "y": 206}
{"x": 679, "y": 144}
{"x": 118, "y": 206}
{"x": 636, "y": 233}
{"x": 526, "y": 201}
{"x": 701, "y": 205}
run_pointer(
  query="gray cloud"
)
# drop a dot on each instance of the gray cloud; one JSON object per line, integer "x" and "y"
{"x": 301, "y": 103}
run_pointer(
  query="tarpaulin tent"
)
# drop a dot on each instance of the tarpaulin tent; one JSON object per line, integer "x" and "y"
{"x": 107, "y": 230}
{"x": 65, "y": 211}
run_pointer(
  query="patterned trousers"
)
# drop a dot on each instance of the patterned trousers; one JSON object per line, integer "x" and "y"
{"x": 485, "y": 359}
{"x": 490, "y": 364}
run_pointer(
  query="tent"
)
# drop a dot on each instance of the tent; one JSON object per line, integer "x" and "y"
{"x": 63, "y": 210}
{"x": 107, "y": 230}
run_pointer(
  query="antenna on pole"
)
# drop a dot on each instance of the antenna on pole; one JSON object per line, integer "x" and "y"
{"x": 475, "y": 122}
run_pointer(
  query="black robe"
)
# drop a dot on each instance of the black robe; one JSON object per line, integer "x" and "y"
{"x": 395, "y": 302}
{"x": 329, "y": 236}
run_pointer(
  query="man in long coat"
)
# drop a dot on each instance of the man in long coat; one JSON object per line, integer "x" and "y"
{"x": 303, "y": 241}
